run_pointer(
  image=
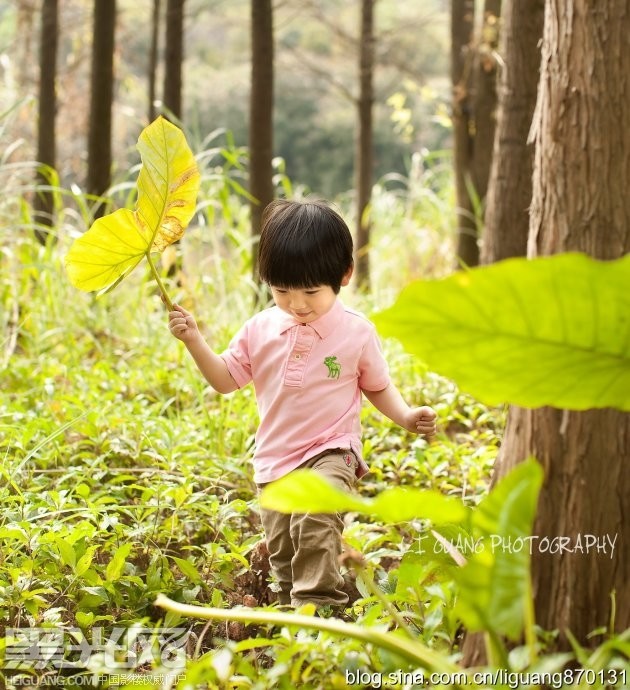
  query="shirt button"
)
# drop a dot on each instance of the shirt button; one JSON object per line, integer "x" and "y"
{"x": 297, "y": 356}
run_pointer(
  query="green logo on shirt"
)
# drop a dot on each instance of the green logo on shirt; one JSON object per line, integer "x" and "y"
{"x": 334, "y": 368}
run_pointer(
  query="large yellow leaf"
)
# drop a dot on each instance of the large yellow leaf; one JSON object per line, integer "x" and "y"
{"x": 110, "y": 249}
{"x": 168, "y": 184}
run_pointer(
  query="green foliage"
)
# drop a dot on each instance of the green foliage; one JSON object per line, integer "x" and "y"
{"x": 306, "y": 491}
{"x": 494, "y": 588}
{"x": 494, "y": 584}
{"x": 407, "y": 651}
{"x": 549, "y": 331}
{"x": 124, "y": 477}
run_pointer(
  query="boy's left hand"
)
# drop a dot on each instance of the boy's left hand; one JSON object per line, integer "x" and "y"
{"x": 422, "y": 420}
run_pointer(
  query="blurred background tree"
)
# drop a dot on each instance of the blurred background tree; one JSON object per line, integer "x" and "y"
{"x": 261, "y": 101}
{"x": 316, "y": 59}
{"x": 99, "y": 140}
{"x": 506, "y": 219}
{"x": 173, "y": 59}
{"x": 43, "y": 203}
{"x": 474, "y": 68}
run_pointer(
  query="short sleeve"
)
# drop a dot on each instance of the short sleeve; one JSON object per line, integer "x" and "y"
{"x": 373, "y": 368}
{"x": 237, "y": 357}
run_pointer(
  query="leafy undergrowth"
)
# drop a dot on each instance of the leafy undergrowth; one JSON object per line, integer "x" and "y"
{"x": 124, "y": 476}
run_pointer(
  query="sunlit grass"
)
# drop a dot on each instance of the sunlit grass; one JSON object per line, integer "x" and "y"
{"x": 110, "y": 437}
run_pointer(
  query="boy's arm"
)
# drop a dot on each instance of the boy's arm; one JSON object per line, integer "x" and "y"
{"x": 214, "y": 369}
{"x": 389, "y": 401}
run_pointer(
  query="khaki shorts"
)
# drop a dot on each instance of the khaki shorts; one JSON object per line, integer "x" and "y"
{"x": 304, "y": 549}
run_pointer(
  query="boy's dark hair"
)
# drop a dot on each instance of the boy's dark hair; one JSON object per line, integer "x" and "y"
{"x": 303, "y": 244}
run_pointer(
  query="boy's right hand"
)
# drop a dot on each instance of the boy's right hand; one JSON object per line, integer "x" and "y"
{"x": 182, "y": 324}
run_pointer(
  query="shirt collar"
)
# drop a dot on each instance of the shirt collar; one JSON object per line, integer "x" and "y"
{"x": 323, "y": 326}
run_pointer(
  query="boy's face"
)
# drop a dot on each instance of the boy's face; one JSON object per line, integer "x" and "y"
{"x": 307, "y": 304}
{"x": 304, "y": 304}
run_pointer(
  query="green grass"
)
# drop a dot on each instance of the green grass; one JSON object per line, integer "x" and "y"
{"x": 124, "y": 476}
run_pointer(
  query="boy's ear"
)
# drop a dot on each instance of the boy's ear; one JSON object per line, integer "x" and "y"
{"x": 346, "y": 279}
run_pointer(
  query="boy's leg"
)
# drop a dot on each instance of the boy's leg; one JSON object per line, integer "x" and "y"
{"x": 278, "y": 535}
{"x": 316, "y": 538}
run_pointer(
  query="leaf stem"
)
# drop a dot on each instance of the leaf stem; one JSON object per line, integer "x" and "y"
{"x": 530, "y": 620}
{"x": 376, "y": 591}
{"x": 158, "y": 280}
{"x": 413, "y": 652}
{"x": 495, "y": 650}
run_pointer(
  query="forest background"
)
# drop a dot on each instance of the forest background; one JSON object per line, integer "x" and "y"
{"x": 315, "y": 82}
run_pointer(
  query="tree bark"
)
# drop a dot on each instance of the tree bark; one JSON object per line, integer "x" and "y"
{"x": 260, "y": 118}
{"x": 462, "y": 24}
{"x": 101, "y": 99}
{"x": 364, "y": 158}
{"x": 510, "y": 187}
{"x": 173, "y": 59}
{"x": 43, "y": 203}
{"x": 477, "y": 91}
{"x": 580, "y": 203}
{"x": 484, "y": 98}
{"x": 586, "y": 489}
{"x": 153, "y": 59}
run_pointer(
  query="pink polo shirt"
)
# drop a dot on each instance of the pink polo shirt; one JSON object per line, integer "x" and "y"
{"x": 308, "y": 380}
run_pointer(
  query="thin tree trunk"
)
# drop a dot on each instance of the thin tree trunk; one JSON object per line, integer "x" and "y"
{"x": 173, "y": 58}
{"x": 510, "y": 187}
{"x": 462, "y": 24}
{"x": 364, "y": 146}
{"x": 484, "y": 98}
{"x": 477, "y": 88}
{"x": 101, "y": 99}
{"x": 153, "y": 59}
{"x": 172, "y": 89}
{"x": 43, "y": 204}
{"x": 260, "y": 118}
{"x": 580, "y": 203}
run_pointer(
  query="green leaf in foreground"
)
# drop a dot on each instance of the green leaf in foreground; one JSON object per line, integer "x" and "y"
{"x": 495, "y": 583}
{"x": 168, "y": 184}
{"x": 416, "y": 654}
{"x": 306, "y": 491}
{"x": 547, "y": 331}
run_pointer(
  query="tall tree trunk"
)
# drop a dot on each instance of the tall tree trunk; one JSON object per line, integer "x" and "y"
{"x": 172, "y": 91}
{"x": 174, "y": 58}
{"x": 462, "y": 25}
{"x": 260, "y": 117}
{"x": 43, "y": 203}
{"x": 485, "y": 99}
{"x": 364, "y": 146}
{"x": 101, "y": 100}
{"x": 476, "y": 89}
{"x": 153, "y": 59}
{"x": 510, "y": 187}
{"x": 580, "y": 203}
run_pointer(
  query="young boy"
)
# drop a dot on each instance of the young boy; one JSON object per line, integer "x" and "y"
{"x": 310, "y": 359}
